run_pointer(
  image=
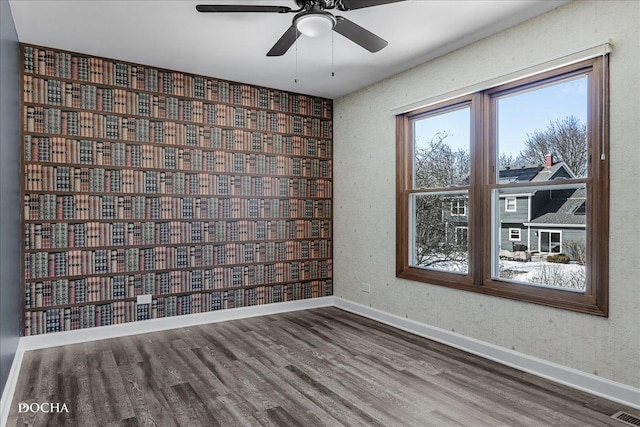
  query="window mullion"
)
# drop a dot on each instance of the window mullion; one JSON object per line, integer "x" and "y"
{"x": 476, "y": 192}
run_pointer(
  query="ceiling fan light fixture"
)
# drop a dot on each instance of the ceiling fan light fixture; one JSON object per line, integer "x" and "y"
{"x": 314, "y": 23}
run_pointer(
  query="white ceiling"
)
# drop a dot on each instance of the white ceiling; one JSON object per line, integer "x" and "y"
{"x": 171, "y": 34}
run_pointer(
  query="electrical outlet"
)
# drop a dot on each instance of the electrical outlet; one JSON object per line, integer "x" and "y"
{"x": 366, "y": 287}
{"x": 144, "y": 299}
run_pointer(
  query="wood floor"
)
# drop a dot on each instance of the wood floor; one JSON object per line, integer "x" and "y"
{"x": 309, "y": 368}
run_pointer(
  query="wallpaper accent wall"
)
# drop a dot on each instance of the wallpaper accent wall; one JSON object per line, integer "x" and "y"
{"x": 200, "y": 194}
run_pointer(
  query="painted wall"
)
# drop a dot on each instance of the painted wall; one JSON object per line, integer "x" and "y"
{"x": 364, "y": 159}
{"x": 9, "y": 192}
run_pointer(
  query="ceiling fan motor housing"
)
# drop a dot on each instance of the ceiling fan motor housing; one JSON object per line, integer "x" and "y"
{"x": 308, "y": 4}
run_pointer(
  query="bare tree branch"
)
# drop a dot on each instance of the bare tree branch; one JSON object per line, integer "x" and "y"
{"x": 437, "y": 165}
{"x": 565, "y": 139}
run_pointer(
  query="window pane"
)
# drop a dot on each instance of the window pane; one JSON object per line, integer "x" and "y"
{"x": 542, "y": 132}
{"x": 440, "y": 233}
{"x": 441, "y": 149}
{"x": 551, "y": 225}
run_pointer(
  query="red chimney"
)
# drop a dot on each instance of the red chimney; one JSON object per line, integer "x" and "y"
{"x": 548, "y": 160}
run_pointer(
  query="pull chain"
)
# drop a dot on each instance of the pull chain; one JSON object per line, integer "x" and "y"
{"x": 332, "y": 62}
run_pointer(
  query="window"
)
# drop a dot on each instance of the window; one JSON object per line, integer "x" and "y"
{"x": 458, "y": 208}
{"x": 462, "y": 236}
{"x": 438, "y": 204}
{"x": 465, "y": 166}
{"x": 550, "y": 242}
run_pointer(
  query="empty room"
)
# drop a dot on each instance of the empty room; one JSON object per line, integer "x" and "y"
{"x": 320, "y": 213}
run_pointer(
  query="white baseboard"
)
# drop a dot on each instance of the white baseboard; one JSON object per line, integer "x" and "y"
{"x": 592, "y": 384}
{"x": 10, "y": 386}
{"x": 152, "y": 325}
{"x": 573, "y": 378}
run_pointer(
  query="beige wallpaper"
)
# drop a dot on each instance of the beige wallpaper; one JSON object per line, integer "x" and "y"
{"x": 364, "y": 175}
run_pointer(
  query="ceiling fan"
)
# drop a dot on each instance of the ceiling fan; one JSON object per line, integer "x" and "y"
{"x": 313, "y": 20}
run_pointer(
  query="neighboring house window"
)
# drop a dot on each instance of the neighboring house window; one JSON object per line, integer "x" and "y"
{"x": 550, "y": 242}
{"x": 467, "y": 155}
{"x": 462, "y": 234}
{"x": 458, "y": 208}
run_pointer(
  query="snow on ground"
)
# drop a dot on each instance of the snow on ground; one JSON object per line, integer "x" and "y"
{"x": 545, "y": 273}
{"x": 567, "y": 276}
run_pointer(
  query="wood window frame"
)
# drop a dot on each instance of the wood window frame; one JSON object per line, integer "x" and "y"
{"x": 483, "y": 182}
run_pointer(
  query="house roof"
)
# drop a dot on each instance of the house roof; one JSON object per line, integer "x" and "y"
{"x": 565, "y": 206}
{"x": 535, "y": 173}
{"x": 553, "y": 172}
{"x": 523, "y": 174}
{"x": 531, "y": 173}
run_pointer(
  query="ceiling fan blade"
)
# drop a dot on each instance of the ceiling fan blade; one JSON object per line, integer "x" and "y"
{"x": 285, "y": 42}
{"x": 359, "y": 35}
{"x": 359, "y": 4}
{"x": 242, "y": 8}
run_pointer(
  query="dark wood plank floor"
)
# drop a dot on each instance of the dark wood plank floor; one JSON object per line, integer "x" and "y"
{"x": 308, "y": 368}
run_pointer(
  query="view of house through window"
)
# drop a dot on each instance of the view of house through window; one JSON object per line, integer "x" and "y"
{"x": 544, "y": 242}
{"x": 503, "y": 196}
{"x": 441, "y": 162}
{"x": 537, "y": 130}
{"x": 542, "y": 139}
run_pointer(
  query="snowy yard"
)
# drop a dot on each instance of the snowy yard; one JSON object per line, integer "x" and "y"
{"x": 542, "y": 273}
{"x": 570, "y": 276}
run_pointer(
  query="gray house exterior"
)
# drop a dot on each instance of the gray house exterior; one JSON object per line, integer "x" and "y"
{"x": 544, "y": 220}
{"x": 541, "y": 220}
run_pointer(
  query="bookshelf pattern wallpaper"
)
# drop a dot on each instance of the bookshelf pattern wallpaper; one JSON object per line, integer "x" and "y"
{"x": 204, "y": 193}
